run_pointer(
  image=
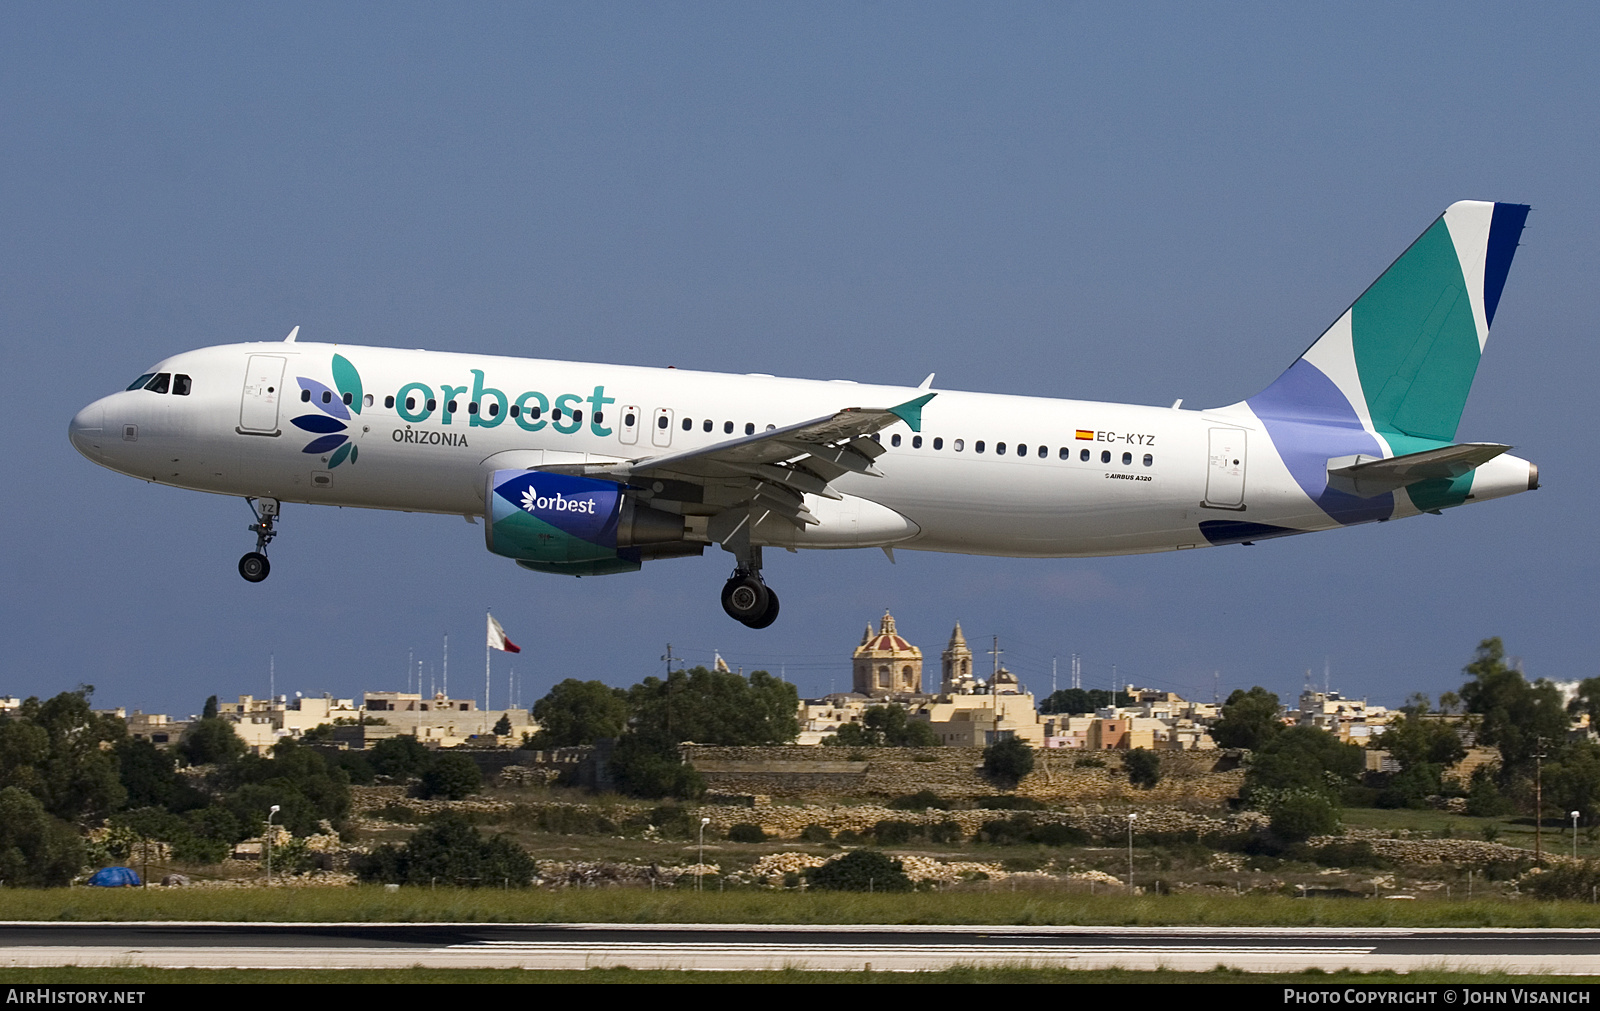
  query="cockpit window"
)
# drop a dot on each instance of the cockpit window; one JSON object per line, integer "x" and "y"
{"x": 160, "y": 383}
{"x": 180, "y": 385}
{"x": 138, "y": 384}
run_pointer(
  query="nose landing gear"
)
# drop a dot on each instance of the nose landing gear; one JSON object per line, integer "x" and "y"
{"x": 254, "y": 566}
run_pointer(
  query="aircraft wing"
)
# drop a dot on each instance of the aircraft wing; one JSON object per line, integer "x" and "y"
{"x": 772, "y": 470}
{"x": 1368, "y": 477}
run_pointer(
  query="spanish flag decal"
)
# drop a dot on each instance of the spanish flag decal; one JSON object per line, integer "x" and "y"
{"x": 1084, "y": 433}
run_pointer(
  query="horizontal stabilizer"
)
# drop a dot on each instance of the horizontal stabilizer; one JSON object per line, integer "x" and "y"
{"x": 1369, "y": 477}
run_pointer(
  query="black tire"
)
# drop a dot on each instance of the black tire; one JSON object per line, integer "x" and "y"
{"x": 254, "y": 567}
{"x": 745, "y": 599}
{"x": 770, "y": 615}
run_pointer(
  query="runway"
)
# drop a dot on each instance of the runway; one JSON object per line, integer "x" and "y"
{"x": 755, "y": 946}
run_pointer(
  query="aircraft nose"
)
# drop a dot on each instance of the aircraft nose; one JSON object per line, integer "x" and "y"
{"x": 87, "y": 430}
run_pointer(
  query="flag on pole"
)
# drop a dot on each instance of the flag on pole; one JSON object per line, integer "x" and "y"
{"x": 498, "y": 640}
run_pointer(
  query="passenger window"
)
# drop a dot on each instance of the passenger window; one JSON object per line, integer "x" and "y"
{"x": 366, "y": 401}
{"x": 599, "y": 417}
{"x": 1044, "y": 452}
{"x": 960, "y": 444}
{"x": 1148, "y": 459}
{"x": 411, "y": 403}
{"x": 138, "y": 384}
{"x": 938, "y": 443}
{"x": 555, "y": 415}
{"x": 1066, "y": 454}
{"x": 449, "y": 408}
{"x": 772, "y": 428}
{"x": 662, "y": 422}
{"x": 515, "y": 410}
{"x": 348, "y": 398}
{"x": 305, "y": 396}
{"x": 1022, "y": 449}
{"x": 577, "y": 416}
{"x": 534, "y": 412}
{"x": 999, "y": 449}
{"x": 1105, "y": 456}
{"x": 327, "y": 398}
{"x": 1127, "y": 458}
{"x": 894, "y": 440}
{"x": 472, "y": 408}
{"x": 494, "y": 409}
{"x": 628, "y": 420}
{"x": 707, "y": 426}
{"x": 977, "y": 447}
{"x": 160, "y": 383}
{"x": 727, "y": 428}
{"x": 688, "y": 424}
{"x": 749, "y": 428}
{"x": 180, "y": 385}
{"x": 433, "y": 405}
{"x": 916, "y": 442}
{"x": 389, "y": 402}
{"x": 1084, "y": 456}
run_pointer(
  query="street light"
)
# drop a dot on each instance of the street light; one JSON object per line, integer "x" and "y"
{"x": 268, "y": 840}
{"x": 700, "y": 861}
{"x": 1574, "y": 815}
{"x": 1131, "y": 818}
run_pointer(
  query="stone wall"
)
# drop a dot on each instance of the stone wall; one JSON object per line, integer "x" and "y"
{"x": 1194, "y": 777}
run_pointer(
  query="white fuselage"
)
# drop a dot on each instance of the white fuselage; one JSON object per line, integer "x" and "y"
{"x": 987, "y": 474}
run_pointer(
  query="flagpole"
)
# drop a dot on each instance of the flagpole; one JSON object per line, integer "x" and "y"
{"x": 486, "y": 616}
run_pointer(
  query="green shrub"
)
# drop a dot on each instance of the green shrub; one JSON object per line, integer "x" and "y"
{"x": 896, "y": 833}
{"x": 1348, "y": 854}
{"x": 1056, "y": 834}
{"x": 946, "y": 833}
{"x": 1006, "y": 762}
{"x": 450, "y": 776}
{"x": 1089, "y": 762}
{"x": 746, "y": 832}
{"x": 1143, "y": 767}
{"x": 815, "y": 833}
{"x": 449, "y": 851}
{"x": 860, "y": 871}
{"x": 919, "y": 801}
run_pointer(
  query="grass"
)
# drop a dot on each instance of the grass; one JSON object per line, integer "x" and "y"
{"x": 1025, "y": 906}
{"x": 135, "y": 976}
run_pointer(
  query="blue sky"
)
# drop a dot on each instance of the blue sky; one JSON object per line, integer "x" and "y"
{"x": 1120, "y": 202}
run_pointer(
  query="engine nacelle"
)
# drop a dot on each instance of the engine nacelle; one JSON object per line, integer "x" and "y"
{"x": 575, "y": 525}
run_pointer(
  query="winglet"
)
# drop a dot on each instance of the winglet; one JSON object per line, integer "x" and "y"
{"x": 292, "y": 334}
{"x": 910, "y": 412}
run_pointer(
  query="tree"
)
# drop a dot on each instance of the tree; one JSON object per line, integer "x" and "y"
{"x": 1079, "y": 700}
{"x": 1424, "y": 746}
{"x": 451, "y": 776}
{"x": 297, "y": 779}
{"x": 450, "y": 851}
{"x": 578, "y": 712}
{"x": 149, "y": 775}
{"x": 1297, "y": 815}
{"x": 400, "y": 756}
{"x": 1249, "y": 719}
{"x": 36, "y": 850}
{"x": 1144, "y": 767}
{"x": 209, "y": 710}
{"x": 208, "y": 741}
{"x": 1302, "y": 759}
{"x": 1514, "y": 716}
{"x": 1005, "y": 762}
{"x": 860, "y": 871}
{"x": 716, "y": 707}
{"x": 885, "y": 726}
{"x": 643, "y": 766}
{"x": 54, "y": 750}
{"x": 1587, "y": 702}
{"x": 502, "y": 726}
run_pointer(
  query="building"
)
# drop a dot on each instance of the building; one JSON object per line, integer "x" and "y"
{"x": 885, "y": 665}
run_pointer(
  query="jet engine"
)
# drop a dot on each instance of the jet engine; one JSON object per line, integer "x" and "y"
{"x": 576, "y": 525}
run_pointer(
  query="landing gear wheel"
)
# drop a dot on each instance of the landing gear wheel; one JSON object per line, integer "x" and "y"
{"x": 746, "y": 599}
{"x": 254, "y": 567}
{"x": 770, "y": 615}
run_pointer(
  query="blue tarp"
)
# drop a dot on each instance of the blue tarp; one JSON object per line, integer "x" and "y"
{"x": 114, "y": 877}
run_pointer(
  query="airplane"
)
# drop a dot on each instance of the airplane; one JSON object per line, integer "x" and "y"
{"x": 588, "y": 469}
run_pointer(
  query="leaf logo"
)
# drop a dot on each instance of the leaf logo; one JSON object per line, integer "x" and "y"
{"x": 335, "y": 407}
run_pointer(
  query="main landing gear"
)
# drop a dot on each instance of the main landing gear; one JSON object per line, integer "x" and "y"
{"x": 748, "y": 600}
{"x": 254, "y": 566}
